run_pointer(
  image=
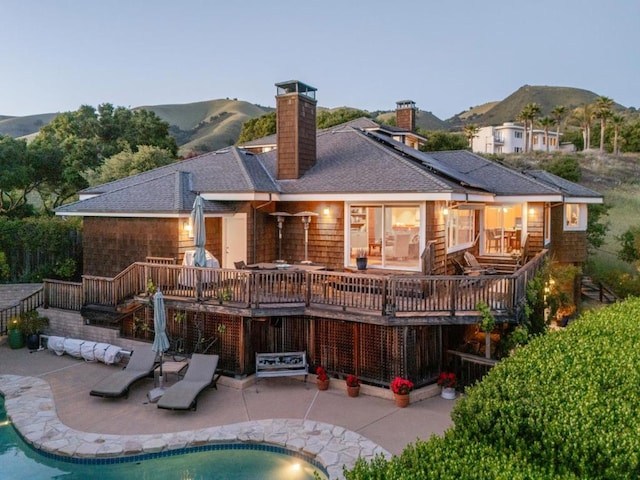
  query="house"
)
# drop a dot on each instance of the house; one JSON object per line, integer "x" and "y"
{"x": 509, "y": 138}
{"x": 316, "y": 200}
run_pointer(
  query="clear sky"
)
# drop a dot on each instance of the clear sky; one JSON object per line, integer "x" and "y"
{"x": 446, "y": 55}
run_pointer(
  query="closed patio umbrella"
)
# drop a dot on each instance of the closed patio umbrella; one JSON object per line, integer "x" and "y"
{"x": 160, "y": 340}
{"x": 199, "y": 233}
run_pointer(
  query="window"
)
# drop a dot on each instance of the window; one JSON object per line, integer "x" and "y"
{"x": 460, "y": 228}
{"x": 389, "y": 234}
{"x": 547, "y": 224}
{"x": 575, "y": 216}
{"x": 503, "y": 229}
{"x": 517, "y": 134}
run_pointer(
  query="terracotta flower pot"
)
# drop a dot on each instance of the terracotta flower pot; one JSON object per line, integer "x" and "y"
{"x": 353, "y": 391}
{"x": 401, "y": 400}
{"x": 323, "y": 384}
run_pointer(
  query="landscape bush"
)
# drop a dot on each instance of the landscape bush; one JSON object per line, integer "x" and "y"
{"x": 565, "y": 406}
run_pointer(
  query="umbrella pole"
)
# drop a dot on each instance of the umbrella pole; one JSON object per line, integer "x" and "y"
{"x": 161, "y": 379}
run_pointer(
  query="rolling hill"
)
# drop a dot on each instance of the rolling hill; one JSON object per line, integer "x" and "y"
{"x": 213, "y": 124}
{"x": 507, "y": 110}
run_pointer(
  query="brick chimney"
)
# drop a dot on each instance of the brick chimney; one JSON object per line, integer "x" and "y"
{"x": 406, "y": 115}
{"x": 296, "y": 129}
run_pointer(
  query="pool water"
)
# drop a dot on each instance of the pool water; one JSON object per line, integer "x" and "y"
{"x": 230, "y": 462}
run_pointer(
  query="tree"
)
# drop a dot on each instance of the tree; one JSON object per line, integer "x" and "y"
{"x": 128, "y": 163}
{"x": 17, "y": 177}
{"x": 602, "y": 110}
{"x": 583, "y": 116}
{"x": 331, "y": 118}
{"x": 470, "y": 131}
{"x": 437, "y": 141}
{"x": 617, "y": 121}
{"x": 558, "y": 114}
{"x": 546, "y": 123}
{"x": 528, "y": 116}
{"x": 76, "y": 143}
{"x": 258, "y": 128}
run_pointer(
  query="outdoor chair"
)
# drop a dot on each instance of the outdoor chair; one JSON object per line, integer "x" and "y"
{"x": 475, "y": 265}
{"x": 141, "y": 365}
{"x": 183, "y": 395}
{"x": 240, "y": 265}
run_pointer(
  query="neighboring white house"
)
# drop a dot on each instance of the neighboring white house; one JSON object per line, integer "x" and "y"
{"x": 509, "y": 138}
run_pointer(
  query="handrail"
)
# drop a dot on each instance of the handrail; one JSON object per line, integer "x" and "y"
{"x": 30, "y": 302}
{"x": 379, "y": 294}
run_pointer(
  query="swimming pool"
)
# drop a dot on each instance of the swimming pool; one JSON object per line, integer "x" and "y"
{"x": 222, "y": 461}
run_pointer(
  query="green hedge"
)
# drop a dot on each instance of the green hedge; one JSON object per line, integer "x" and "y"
{"x": 565, "y": 406}
{"x": 41, "y": 247}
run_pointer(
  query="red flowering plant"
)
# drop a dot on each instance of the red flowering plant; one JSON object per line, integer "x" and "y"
{"x": 447, "y": 380}
{"x": 322, "y": 374}
{"x": 401, "y": 386}
{"x": 352, "y": 381}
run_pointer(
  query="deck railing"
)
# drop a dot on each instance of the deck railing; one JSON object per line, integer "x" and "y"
{"x": 392, "y": 295}
{"x": 63, "y": 295}
{"x": 469, "y": 368}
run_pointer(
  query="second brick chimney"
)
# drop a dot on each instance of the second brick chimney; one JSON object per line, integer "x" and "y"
{"x": 296, "y": 129}
{"x": 406, "y": 115}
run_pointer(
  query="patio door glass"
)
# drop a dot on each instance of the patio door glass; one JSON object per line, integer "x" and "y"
{"x": 502, "y": 229}
{"x": 390, "y": 235}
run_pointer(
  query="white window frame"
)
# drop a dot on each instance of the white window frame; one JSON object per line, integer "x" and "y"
{"x": 574, "y": 217}
{"x": 547, "y": 224}
{"x": 452, "y": 222}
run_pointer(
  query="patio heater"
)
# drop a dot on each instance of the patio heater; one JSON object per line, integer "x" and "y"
{"x": 280, "y": 217}
{"x": 306, "y": 220}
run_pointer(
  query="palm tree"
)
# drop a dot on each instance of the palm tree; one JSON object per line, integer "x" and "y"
{"x": 617, "y": 121}
{"x": 528, "y": 116}
{"x": 602, "y": 110}
{"x": 584, "y": 115}
{"x": 558, "y": 114}
{"x": 471, "y": 131}
{"x": 546, "y": 123}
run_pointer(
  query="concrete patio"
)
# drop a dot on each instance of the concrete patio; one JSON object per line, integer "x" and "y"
{"x": 284, "y": 411}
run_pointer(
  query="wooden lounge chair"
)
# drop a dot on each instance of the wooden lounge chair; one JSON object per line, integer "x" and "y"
{"x": 141, "y": 365}
{"x": 183, "y": 395}
{"x": 475, "y": 265}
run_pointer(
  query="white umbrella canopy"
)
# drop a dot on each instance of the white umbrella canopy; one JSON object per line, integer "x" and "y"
{"x": 160, "y": 339}
{"x": 199, "y": 233}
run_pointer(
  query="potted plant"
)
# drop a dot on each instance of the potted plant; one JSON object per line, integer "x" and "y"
{"x": 361, "y": 259}
{"x": 353, "y": 385}
{"x": 447, "y": 380}
{"x": 322, "y": 379}
{"x": 401, "y": 388}
{"x": 32, "y": 325}
{"x": 15, "y": 335}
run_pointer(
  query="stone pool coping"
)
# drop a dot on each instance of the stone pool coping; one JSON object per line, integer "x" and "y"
{"x": 30, "y": 406}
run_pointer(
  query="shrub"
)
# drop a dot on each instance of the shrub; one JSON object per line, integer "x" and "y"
{"x": 565, "y": 406}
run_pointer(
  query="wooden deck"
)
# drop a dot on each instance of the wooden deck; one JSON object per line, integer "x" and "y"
{"x": 381, "y": 299}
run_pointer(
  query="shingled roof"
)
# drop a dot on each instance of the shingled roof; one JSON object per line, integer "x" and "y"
{"x": 566, "y": 187}
{"x": 352, "y": 160}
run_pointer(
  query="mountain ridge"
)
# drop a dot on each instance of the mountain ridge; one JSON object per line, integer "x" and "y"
{"x": 212, "y": 124}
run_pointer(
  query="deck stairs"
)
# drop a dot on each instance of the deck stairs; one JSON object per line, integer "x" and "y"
{"x": 596, "y": 291}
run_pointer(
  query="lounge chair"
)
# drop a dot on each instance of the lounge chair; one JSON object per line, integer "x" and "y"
{"x": 183, "y": 395}
{"x": 475, "y": 265}
{"x": 141, "y": 364}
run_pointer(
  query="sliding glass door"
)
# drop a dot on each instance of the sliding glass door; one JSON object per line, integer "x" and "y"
{"x": 388, "y": 234}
